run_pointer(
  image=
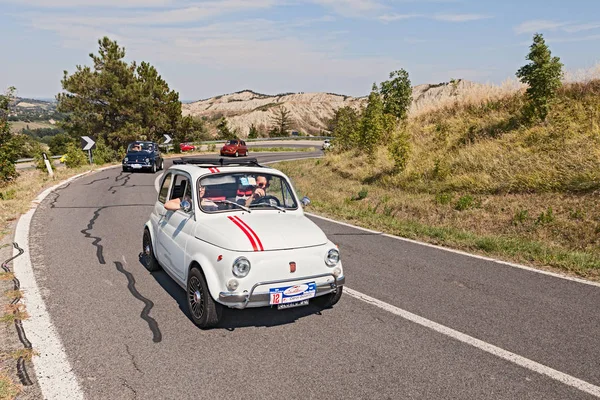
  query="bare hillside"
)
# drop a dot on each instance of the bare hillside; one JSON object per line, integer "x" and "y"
{"x": 309, "y": 111}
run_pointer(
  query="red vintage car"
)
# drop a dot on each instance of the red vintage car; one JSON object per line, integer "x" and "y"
{"x": 186, "y": 147}
{"x": 235, "y": 147}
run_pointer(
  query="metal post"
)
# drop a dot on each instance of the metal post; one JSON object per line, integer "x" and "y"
{"x": 90, "y": 155}
{"x": 48, "y": 166}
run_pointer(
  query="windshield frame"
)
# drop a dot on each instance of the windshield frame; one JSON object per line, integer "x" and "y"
{"x": 141, "y": 144}
{"x": 256, "y": 207}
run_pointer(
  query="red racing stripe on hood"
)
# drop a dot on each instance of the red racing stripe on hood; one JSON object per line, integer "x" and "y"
{"x": 248, "y": 235}
{"x": 251, "y": 231}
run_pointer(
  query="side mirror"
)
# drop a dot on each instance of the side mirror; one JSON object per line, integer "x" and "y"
{"x": 186, "y": 206}
{"x": 305, "y": 201}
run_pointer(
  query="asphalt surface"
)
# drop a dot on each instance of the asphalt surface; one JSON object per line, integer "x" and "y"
{"x": 127, "y": 334}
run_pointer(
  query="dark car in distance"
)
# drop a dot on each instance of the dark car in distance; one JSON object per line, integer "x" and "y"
{"x": 234, "y": 147}
{"x": 143, "y": 155}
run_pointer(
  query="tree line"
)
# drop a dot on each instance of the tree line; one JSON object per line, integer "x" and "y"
{"x": 383, "y": 121}
{"x": 118, "y": 102}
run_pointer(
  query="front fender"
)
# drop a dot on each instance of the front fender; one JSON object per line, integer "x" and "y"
{"x": 213, "y": 280}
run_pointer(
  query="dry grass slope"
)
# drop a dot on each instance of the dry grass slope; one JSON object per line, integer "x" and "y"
{"x": 481, "y": 179}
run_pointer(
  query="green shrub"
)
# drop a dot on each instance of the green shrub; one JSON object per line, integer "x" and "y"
{"x": 103, "y": 154}
{"x": 75, "y": 156}
{"x": 399, "y": 149}
{"x": 546, "y": 217}
{"x": 212, "y": 147}
{"x": 465, "y": 202}
{"x": 8, "y": 195}
{"x": 364, "y": 192}
{"x": 520, "y": 217}
{"x": 443, "y": 198}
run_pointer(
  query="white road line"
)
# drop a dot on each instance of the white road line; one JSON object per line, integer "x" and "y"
{"x": 52, "y": 368}
{"x": 481, "y": 345}
{"x": 463, "y": 253}
{"x": 157, "y": 181}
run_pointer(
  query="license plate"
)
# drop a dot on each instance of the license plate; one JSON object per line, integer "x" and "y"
{"x": 292, "y": 294}
{"x": 137, "y": 166}
{"x": 292, "y": 305}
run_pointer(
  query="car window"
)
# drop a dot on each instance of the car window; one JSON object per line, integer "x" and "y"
{"x": 164, "y": 190}
{"x": 234, "y": 142}
{"x": 181, "y": 188}
{"x": 218, "y": 191}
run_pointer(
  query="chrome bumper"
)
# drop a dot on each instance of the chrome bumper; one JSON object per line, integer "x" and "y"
{"x": 241, "y": 300}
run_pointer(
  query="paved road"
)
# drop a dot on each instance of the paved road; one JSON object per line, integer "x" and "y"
{"x": 127, "y": 334}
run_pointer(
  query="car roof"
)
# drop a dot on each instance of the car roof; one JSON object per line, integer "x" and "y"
{"x": 198, "y": 171}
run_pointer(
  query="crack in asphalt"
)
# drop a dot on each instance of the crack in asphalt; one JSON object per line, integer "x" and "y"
{"x": 148, "y": 304}
{"x": 21, "y": 366}
{"x": 96, "y": 180}
{"x": 53, "y": 203}
{"x": 132, "y": 359}
{"x": 118, "y": 178}
{"x": 86, "y": 233}
{"x": 129, "y": 387}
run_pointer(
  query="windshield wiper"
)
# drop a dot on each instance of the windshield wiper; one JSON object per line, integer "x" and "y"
{"x": 268, "y": 205}
{"x": 232, "y": 202}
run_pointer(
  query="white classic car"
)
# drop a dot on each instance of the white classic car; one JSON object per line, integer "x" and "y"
{"x": 233, "y": 233}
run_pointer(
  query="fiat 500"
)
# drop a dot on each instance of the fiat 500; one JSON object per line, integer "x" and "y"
{"x": 234, "y": 234}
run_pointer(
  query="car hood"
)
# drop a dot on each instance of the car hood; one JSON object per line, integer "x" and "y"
{"x": 138, "y": 156}
{"x": 259, "y": 231}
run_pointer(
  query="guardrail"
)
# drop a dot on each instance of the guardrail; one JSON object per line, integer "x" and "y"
{"x": 23, "y": 160}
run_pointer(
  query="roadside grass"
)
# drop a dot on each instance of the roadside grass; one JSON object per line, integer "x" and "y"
{"x": 8, "y": 388}
{"x": 546, "y": 230}
{"x": 16, "y": 198}
{"x": 253, "y": 149}
{"x": 14, "y": 312}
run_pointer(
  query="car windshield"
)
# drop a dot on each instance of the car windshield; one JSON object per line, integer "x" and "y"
{"x": 139, "y": 146}
{"x": 234, "y": 142}
{"x": 250, "y": 190}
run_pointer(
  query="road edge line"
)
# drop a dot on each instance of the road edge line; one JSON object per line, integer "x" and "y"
{"x": 489, "y": 348}
{"x": 460, "y": 252}
{"x": 52, "y": 367}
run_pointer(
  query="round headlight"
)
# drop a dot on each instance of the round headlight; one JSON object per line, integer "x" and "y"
{"x": 332, "y": 258}
{"x": 126, "y": 159}
{"x": 241, "y": 267}
{"x": 147, "y": 160}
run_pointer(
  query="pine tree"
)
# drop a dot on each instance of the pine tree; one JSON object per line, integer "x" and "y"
{"x": 282, "y": 122}
{"x": 117, "y": 101}
{"x": 543, "y": 75}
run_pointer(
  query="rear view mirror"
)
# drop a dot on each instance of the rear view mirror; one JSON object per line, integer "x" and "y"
{"x": 305, "y": 201}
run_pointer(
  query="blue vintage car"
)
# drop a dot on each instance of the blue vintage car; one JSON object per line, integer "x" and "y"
{"x": 142, "y": 155}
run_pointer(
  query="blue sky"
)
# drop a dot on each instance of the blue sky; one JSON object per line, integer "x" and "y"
{"x": 206, "y": 48}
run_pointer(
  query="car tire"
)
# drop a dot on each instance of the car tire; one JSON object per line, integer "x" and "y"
{"x": 330, "y": 299}
{"x": 204, "y": 311}
{"x": 151, "y": 263}
{"x": 125, "y": 169}
{"x": 162, "y": 165}
{"x": 237, "y": 154}
{"x": 154, "y": 168}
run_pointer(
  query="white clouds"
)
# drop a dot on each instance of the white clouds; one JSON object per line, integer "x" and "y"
{"x": 91, "y": 3}
{"x": 460, "y": 17}
{"x": 437, "y": 17}
{"x": 581, "y": 27}
{"x": 397, "y": 17}
{"x": 538, "y": 25}
{"x": 352, "y": 8}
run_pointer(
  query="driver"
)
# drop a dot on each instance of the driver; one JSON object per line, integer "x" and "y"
{"x": 262, "y": 184}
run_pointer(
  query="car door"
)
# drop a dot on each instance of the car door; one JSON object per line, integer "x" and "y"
{"x": 177, "y": 228}
{"x": 244, "y": 148}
